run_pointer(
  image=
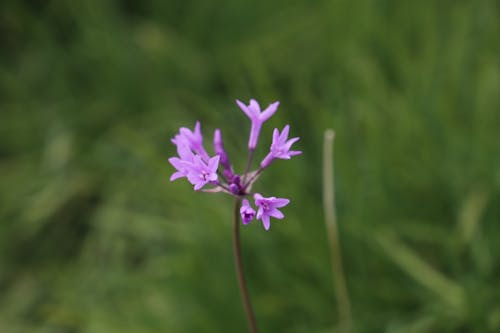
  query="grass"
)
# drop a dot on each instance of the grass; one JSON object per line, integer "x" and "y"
{"x": 94, "y": 238}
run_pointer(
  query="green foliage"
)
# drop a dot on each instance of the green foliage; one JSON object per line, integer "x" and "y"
{"x": 94, "y": 238}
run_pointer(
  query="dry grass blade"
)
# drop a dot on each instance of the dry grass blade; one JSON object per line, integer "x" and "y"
{"x": 343, "y": 303}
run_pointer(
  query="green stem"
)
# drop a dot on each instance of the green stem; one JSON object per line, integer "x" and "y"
{"x": 343, "y": 303}
{"x": 252, "y": 325}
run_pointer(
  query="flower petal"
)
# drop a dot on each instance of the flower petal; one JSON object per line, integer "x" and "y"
{"x": 276, "y": 214}
{"x": 280, "y": 202}
{"x": 260, "y": 213}
{"x": 284, "y": 134}
{"x": 177, "y": 175}
{"x": 257, "y": 196}
{"x": 290, "y": 142}
{"x": 269, "y": 111}
{"x": 244, "y": 108}
{"x": 199, "y": 185}
{"x": 176, "y": 163}
{"x": 294, "y": 152}
{"x": 276, "y": 136}
{"x": 197, "y": 130}
{"x": 213, "y": 163}
{"x": 254, "y": 107}
{"x": 266, "y": 222}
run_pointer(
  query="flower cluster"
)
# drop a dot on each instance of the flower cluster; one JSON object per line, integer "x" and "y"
{"x": 200, "y": 169}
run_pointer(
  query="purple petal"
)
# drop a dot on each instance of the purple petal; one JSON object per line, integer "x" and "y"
{"x": 276, "y": 214}
{"x": 254, "y": 107}
{"x": 185, "y": 133}
{"x": 213, "y": 163}
{"x": 290, "y": 142}
{"x": 245, "y": 109}
{"x": 260, "y": 212}
{"x": 177, "y": 175}
{"x": 184, "y": 152}
{"x": 197, "y": 130}
{"x": 244, "y": 204}
{"x": 217, "y": 137}
{"x": 280, "y": 202}
{"x": 266, "y": 222}
{"x": 284, "y": 134}
{"x": 258, "y": 198}
{"x": 271, "y": 109}
{"x": 213, "y": 177}
{"x": 176, "y": 162}
{"x": 294, "y": 152}
{"x": 276, "y": 136}
{"x": 193, "y": 178}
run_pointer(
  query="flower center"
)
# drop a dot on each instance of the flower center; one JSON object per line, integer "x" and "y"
{"x": 204, "y": 175}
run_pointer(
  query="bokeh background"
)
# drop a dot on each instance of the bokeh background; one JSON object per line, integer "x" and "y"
{"x": 94, "y": 238}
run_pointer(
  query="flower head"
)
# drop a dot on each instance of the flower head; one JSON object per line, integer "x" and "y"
{"x": 247, "y": 212}
{"x": 199, "y": 174}
{"x": 200, "y": 169}
{"x": 268, "y": 207}
{"x": 257, "y": 117}
{"x": 280, "y": 147}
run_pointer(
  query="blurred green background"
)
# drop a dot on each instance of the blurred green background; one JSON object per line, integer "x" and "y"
{"x": 94, "y": 238}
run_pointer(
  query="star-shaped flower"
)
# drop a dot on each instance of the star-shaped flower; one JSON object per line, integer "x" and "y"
{"x": 268, "y": 207}
{"x": 257, "y": 117}
{"x": 199, "y": 174}
{"x": 280, "y": 147}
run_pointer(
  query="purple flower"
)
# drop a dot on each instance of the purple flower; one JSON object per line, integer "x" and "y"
{"x": 186, "y": 155}
{"x": 194, "y": 163}
{"x": 247, "y": 212}
{"x": 268, "y": 207}
{"x": 257, "y": 117}
{"x": 192, "y": 139}
{"x": 199, "y": 174}
{"x": 280, "y": 147}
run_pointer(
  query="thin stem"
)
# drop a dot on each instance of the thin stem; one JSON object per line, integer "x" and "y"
{"x": 252, "y": 325}
{"x": 342, "y": 295}
{"x": 249, "y": 164}
{"x": 223, "y": 186}
{"x": 255, "y": 175}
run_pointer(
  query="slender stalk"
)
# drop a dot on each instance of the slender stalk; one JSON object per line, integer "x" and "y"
{"x": 256, "y": 174}
{"x": 249, "y": 164}
{"x": 252, "y": 325}
{"x": 342, "y": 295}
